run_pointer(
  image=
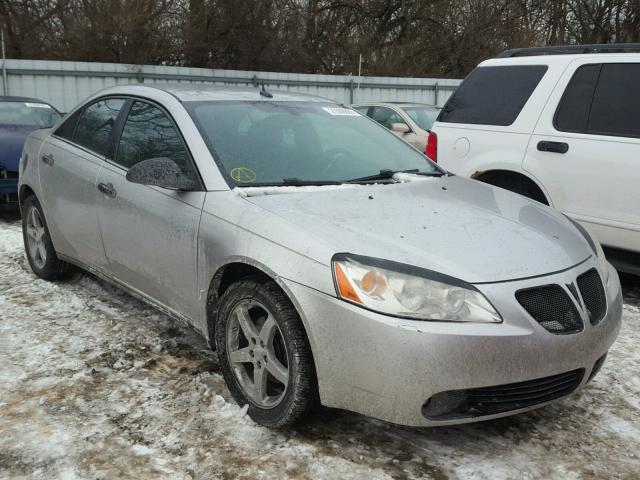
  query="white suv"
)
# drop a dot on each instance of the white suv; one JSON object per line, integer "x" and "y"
{"x": 558, "y": 126}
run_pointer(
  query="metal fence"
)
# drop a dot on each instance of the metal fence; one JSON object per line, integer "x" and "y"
{"x": 65, "y": 84}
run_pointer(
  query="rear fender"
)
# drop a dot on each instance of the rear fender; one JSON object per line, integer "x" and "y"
{"x": 30, "y": 165}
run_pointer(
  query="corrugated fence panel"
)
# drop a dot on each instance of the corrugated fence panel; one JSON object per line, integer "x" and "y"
{"x": 65, "y": 84}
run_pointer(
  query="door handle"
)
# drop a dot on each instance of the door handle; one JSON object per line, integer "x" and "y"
{"x": 554, "y": 147}
{"x": 107, "y": 189}
{"x": 48, "y": 159}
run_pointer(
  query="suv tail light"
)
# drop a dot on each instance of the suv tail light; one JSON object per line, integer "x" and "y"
{"x": 432, "y": 147}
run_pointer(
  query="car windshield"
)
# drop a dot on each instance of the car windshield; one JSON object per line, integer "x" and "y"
{"x": 278, "y": 143}
{"x": 38, "y": 115}
{"x": 423, "y": 116}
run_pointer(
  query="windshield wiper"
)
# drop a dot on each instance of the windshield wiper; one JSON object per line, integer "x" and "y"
{"x": 384, "y": 174}
{"x": 432, "y": 174}
{"x": 297, "y": 182}
{"x": 289, "y": 182}
{"x": 387, "y": 174}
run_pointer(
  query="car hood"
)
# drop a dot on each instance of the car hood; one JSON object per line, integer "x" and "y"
{"x": 12, "y": 140}
{"x": 463, "y": 228}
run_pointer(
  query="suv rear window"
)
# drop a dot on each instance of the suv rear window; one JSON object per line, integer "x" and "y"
{"x": 492, "y": 95}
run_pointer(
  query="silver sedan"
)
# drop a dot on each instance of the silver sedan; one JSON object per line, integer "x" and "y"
{"x": 325, "y": 260}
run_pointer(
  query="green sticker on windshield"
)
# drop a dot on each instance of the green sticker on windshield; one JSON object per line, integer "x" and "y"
{"x": 243, "y": 175}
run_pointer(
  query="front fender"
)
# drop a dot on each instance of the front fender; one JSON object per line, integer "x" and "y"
{"x": 222, "y": 242}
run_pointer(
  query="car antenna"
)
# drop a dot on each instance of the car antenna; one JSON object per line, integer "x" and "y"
{"x": 264, "y": 92}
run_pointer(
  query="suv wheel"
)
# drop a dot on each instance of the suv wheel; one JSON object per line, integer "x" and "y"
{"x": 37, "y": 243}
{"x": 264, "y": 353}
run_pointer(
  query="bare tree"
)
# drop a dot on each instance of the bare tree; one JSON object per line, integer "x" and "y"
{"x": 396, "y": 37}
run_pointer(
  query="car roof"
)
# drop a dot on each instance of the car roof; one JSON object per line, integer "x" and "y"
{"x": 579, "y": 48}
{"x": 21, "y": 99}
{"x": 397, "y": 104}
{"x": 558, "y": 59}
{"x": 195, "y": 92}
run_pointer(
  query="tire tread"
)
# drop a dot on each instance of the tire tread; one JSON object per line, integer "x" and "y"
{"x": 54, "y": 268}
{"x": 303, "y": 399}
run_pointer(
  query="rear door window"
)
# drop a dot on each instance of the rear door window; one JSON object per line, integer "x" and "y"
{"x": 616, "y": 102}
{"x": 572, "y": 114}
{"x": 602, "y": 99}
{"x": 492, "y": 95}
{"x": 68, "y": 127}
{"x": 94, "y": 127}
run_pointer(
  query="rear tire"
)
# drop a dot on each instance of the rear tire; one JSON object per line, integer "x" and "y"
{"x": 264, "y": 353}
{"x": 37, "y": 243}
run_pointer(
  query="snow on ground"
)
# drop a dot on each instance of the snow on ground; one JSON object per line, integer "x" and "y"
{"x": 94, "y": 384}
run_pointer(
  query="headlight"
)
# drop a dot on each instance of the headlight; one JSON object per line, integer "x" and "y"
{"x": 603, "y": 266}
{"x": 410, "y": 292}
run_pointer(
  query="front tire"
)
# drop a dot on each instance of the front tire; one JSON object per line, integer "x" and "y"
{"x": 264, "y": 353}
{"x": 37, "y": 243}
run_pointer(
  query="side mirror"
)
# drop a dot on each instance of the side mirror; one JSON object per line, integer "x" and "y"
{"x": 400, "y": 128}
{"x": 161, "y": 172}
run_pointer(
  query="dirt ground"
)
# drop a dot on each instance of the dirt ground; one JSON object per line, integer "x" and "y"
{"x": 95, "y": 384}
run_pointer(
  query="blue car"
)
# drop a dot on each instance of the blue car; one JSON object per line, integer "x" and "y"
{"x": 19, "y": 117}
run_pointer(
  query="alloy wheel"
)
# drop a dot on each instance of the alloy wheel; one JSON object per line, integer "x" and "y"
{"x": 257, "y": 353}
{"x": 36, "y": 238}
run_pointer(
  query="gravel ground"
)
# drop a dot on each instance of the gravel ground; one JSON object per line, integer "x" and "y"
{"x": 94, "y": 384}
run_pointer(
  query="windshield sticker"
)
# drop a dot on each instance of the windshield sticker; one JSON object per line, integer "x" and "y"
{"x": 37, "y": 105}
{"x": 341, "y": 111}
{"x": 243, "y": 175}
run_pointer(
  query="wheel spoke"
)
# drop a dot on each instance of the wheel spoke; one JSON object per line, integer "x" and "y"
{"x": 276, "y": 369}
{"x": 246, "y": 324}
{"x": 268, "y": 330}
{"x": 36, "y": 219}
{"x": 242, "y": 355}
{"x": 261, "y": 373}
{"x": 32, "y": 232}
{"x": 33, "y": 218}
{"x": 42, "y": 253}
{"x": 260, "y": 383}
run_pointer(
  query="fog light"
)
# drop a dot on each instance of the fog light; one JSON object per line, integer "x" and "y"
{"x": 443, "y": 403}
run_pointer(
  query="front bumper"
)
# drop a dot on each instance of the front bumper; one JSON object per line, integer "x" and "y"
{"x": 388, "y": 367}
